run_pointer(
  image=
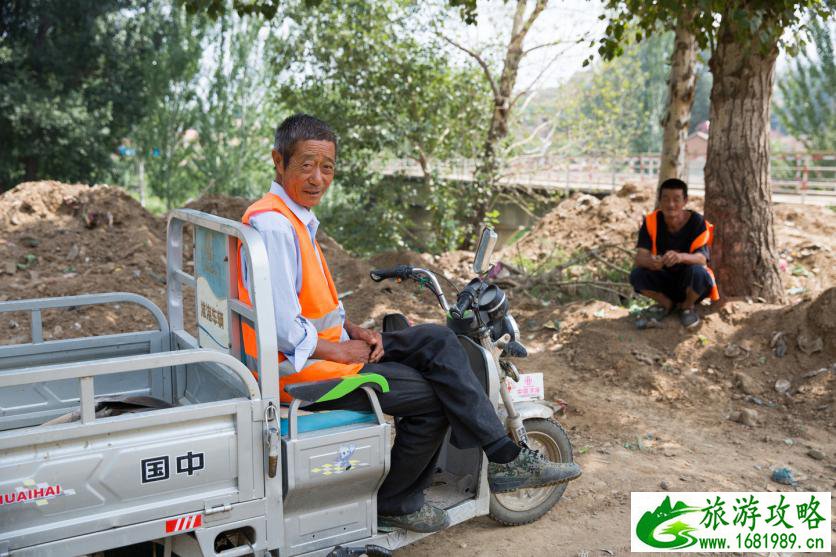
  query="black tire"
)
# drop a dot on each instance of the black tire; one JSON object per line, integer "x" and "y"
{"x": 509, "y": 509}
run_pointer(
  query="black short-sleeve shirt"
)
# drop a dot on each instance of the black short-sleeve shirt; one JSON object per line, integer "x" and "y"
{"x": 680, "y": 241}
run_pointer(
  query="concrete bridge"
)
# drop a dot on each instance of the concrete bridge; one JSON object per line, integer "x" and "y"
{"x": 796, "y": 178}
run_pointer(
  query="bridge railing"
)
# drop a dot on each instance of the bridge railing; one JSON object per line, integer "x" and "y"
{"x": 800, "y": 174}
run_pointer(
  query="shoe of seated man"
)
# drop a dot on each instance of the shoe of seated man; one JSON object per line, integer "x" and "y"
{"x": 651, "y": 318}
{"x": 689, "y": 318}
{"x": 425, "y": 520}
{"x": 530, "y": 469}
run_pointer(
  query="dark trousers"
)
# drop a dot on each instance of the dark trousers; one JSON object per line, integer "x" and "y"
{"x": 431, "y": 388}
{"x": 673, "y": 282}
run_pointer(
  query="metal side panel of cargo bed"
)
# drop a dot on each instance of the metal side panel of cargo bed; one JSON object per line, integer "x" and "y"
{"x": 33, "y": 404}
{"x": 64, "y": 481}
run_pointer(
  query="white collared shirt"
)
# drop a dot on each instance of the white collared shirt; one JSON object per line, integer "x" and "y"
{"x": 297, "y": 336}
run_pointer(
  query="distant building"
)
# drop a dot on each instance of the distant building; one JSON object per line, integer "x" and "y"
{"x": 696, "y": 146}
{"x": 783, "y": 143}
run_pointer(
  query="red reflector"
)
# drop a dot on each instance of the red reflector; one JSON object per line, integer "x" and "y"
{"x": 184, "y": 523}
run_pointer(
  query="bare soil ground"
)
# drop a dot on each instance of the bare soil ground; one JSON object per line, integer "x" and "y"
{"x": 647, "y": 411}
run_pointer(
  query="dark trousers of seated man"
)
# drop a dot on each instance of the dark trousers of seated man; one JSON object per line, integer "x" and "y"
{"x": 431, "y": 388}
{"x": 673, "y": 282}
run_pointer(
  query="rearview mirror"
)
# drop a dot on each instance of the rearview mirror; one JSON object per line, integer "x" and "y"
{"x": 482, "y": 260}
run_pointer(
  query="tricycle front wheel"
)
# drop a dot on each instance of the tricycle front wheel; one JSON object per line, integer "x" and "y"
{"x": 524, "y": 506}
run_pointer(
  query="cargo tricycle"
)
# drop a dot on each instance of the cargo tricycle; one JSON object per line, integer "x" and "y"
{"x": 172, "y": 441}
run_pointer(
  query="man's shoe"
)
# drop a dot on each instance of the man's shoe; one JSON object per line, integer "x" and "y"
{"x": 689, "y": 318}
{"x": 651, "y": 318}
{"x": 529, "y": 469}
{"x": 425, "y": 520}
{"x": 643, "y": 323}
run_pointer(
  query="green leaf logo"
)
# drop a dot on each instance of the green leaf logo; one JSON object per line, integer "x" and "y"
{"x": 680, "y": 531}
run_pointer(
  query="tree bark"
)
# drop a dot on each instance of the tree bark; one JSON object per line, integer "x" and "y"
{"x": 30, "y": 168}
{"x": 488, "y": 170}
{"x": 141, "y": 180}
{"x": 738, "y": 195}
{"x": 681, "y": 85}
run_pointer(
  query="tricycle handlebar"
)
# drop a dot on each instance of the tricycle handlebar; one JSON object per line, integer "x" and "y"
{"x": 422, "y": 276}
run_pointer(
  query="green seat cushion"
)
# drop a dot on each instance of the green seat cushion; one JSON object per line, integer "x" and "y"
{"x": 333, "y": 389}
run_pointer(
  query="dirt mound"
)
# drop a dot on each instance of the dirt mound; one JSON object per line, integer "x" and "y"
{"x": 455, "y": 265}
{"x": 221, "y": 205}
{"x": 389, "y": 259}
{"x": 806, "y": 246}
{"x": 32, "y": 203}
{"x": 821, "y": 315}
{"x": 349, "y": 272}
{"x": 582, "y": 221}
{"x": 367, "y": 301}
{"x": 740, "y": 355}
{"x": 583, "y": 238}
{"x": 65, "y": 239}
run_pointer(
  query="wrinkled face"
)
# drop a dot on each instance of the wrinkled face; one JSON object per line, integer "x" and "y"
{"x": 309, "y": 172}
{"x": 672, "y": 202}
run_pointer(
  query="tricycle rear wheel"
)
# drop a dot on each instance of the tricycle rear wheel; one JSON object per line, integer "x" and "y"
{"x": 527, "y": 505}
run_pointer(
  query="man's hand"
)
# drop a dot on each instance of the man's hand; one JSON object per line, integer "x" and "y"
{"x": 372, "y": 338}
{"x": 647, "y": 260}
{"x": 655, "y": 263}
{"x": 672, "y": 258}
{"x": 348, "y": 352}
{"x": 352, "y": 352}
{"x": 355, "y": 351}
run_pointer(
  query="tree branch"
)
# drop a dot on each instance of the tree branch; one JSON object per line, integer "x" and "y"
{"x": 613, "y": 266}
{"x": 544, "y": 45}
{"x": 443, "y": 135}
{"x": 479, "y": 60}
{"x": 539, "y": 7}
{"x": 529, "y": 138}
{"x": 539, "y": 76}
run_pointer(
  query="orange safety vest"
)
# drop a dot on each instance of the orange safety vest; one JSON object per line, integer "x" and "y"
{"x": 317, "y": 297}
{"x": 704, "y": 239}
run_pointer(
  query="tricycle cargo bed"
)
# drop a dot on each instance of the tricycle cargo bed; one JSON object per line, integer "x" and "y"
{"x": 25, "y": 405}
{"x": 35, "y": 404}
{"x": 70, "y": 479}
{"x": 143, "y": 436}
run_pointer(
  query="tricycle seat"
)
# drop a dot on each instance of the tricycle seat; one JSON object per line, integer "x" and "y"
{"x": 329, "y": 419}
{"x": 332, "y": 389}
{"x": 333, "y": 462}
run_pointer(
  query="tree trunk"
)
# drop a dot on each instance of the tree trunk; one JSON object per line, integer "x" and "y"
{"x": 141, "y": 180}
{"x": 738, "y": 196}
{"x": 30, "y": 169}
{"x": 488, "y": 169}
{"x": 681, "y": 85}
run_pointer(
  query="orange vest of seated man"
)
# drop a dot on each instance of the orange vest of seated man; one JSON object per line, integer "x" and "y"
{"x": 704, "y": 239}
{"x": 318, "y": 296}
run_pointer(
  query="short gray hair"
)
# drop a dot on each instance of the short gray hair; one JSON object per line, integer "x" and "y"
{"x": 301, "y": 127}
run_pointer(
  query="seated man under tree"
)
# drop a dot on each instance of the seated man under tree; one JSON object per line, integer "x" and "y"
{"x": 672, "y": 258}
